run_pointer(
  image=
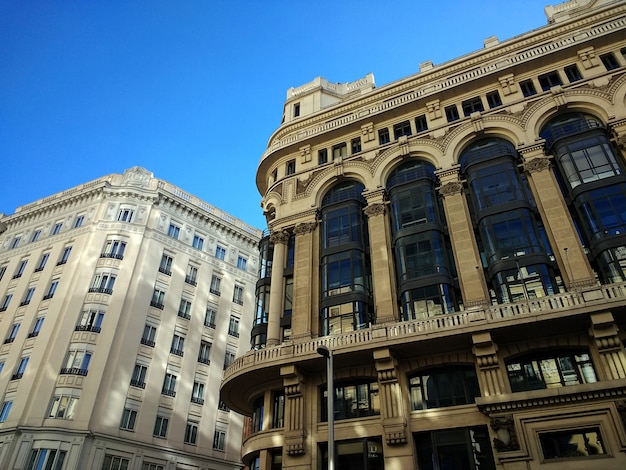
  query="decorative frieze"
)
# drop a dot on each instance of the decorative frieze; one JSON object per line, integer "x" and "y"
{"x": 373, "y": 210}
{"x": 537, "y": 165}
{"x": 450, "y": 189}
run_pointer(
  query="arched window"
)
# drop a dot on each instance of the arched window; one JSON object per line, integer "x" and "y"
{"x": 423, "y": 261}
{"x": 592, "y": 178}
{"x": 513, "y": 243}
{"x": 345, "y": 271}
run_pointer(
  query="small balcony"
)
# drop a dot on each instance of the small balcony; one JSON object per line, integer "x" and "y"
{"x": 101, "y": 290}
{"x": 191, "y": 281}
{"x": 155, "y": 304}
{"x": 74, "y": 371}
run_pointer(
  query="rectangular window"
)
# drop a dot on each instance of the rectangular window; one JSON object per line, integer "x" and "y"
{"x": 65, "y": 255}
{"x": 139, "y": 376}
{"x": 113, "y": 462}
{"x": 6, "y": 302}
{"x": 184, "y": 309}
{"x": 16, "y": 242}
{"x": 126, "y": 214}
{"x": 574, "y": 443}
{"x": 158, "y": 297}
{"x": 3, "y": 269}
{"x": 192, "y": 274}
{"x": 114, "y": 249}
{"x": 222, "y": 407}
{"x": 452, "y": 113}
{"x": 278, "y": 410}
{"x": 296, "y": 109}
{"x": 609, "y": 61}
{"x": 160, "y": 426}
{"x": 572, "y": 73}
{"x": 77, "y": 362}
{"x": 173, "y": 231}
{"x": 28, "y": 297}
{"x": 383, "y": 136}
{"x": 493, "y": 99}
{"x": 198, "y": 242}
{"x": 57, "y": 228}
{"x": 402, "y": 128}
{"x": 36, "y": 235}
{"x": 242, "y": 262}
{"x": 52, "y": 289}
{"x": 205, "y": 352}
{"x": 149, "y": 333}
{"x": 209, "y": 317}
{"x": 165, "y": 266}
{"x": 473, "y": 105}
{"x": 21, "y": 368}
{"x": 219, "y": 439}
{"x": 233, "y": 326}
{"x": 42, "y": 262}
{"x": 322, "y": 156}
{"x": 12, "y": 333}
{"x": 48, "y": 459}
{"x": 355, "y": 145}
{"x": 63, "y": 406}
{"x": 36, "y": 327}
{"x": 152, "y": 466}
{"x": 528, "y": 88}
{"x": 340, "y": 151}
{"x": 191, "y": 432}
{"x": 178, "y": 344}
{"x": 169, "y": 385}
{"x": 215, "y": 285}
{"x": 129, "y": 416}
{"x": 220, "y": 252}
{"x": 465, "y": 446}
{"x": 90, "y": 320}
{"x": 103, "y": 283}
{"x": 78, "y": 222}
{"x": 549, "y": 80}
{"x": 421, "y": 124}
{"x": 6, "y": 409}
{"x": 238, "y": 295}
{"x": 290, "y": 167}
{"x": 197, "y": 393}
{"x": 229, "y": 357}
{"x": 20, "y": 269}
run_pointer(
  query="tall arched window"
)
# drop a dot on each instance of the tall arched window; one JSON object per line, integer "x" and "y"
{"x": 591, "y": 174}
{"x": 423, "y": 260}
{"x": 514, "y": 247}
{"x": 346, "y": 298}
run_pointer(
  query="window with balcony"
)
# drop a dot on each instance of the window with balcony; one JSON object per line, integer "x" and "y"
{"x": 5, "y": 410}
{"x": 178, "y": 344}
{"x": 65, "y": 255}
{"x": 238, "y": 294}
{"x": 5, "y": 302}
{"x": 103, "y": 283}
{"x": 169, "y": 385}
{"x": 63, "y": 406}
{"x": 28, "y": 296}
{"x": 21, "y": 368}
{"x": 52, "y": 289}
{"x": 158, "y": 299}
{"x": 352, "y": 400}
{"x": 3, "y": 270}
{"x": 184, "y": 309}
{"x": 20, "y": 269}
{"x": 550, "y": 370}
{"x": 165, "y": 266}
{"x": 36, "y": 326}
{"x": 12, "y": 333}
{"x": 77, "y": 362}
{"x": 197, "y": 393}
{"x": 149, "y": 333}
{"x": 138, "y": 378}
{"x": 215, "y": 285}
{"x": 449, "y": 386}
{"x": 192, "y": 275}
{"x": 209, "y": 317}
{"x": 42, "y": 262}
{"x": 90, "y": 320}
{"x": 205, "y": 352}
{"x": 233, "y": 326}
{"x": 114, "y": 248}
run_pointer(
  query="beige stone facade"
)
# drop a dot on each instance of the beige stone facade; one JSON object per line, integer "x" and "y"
{"x": 114, "y": 333}
{"x": 456, "y": 239}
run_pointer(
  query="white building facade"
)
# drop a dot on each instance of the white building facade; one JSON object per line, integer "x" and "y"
{"x": 122, "y": 301}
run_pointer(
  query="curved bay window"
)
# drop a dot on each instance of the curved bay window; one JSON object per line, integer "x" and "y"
{"x": 550, "y": 370}
{"x": 515, "y": 250}
{"x": 450, "y": 386}
{"x": 592, "y": 177}
{"x": 345, "y": 271}
{"x": 258, "y": 335}
{"x": 424, "y": 267}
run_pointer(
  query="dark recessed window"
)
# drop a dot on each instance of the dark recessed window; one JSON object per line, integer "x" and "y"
{"x": 574, "y": 443}
{"x": 548, "y": 80}
{"x": 439, "y": 388}
{"x": 572, "y": 73}
{"x": 340, "y": 151}
{"x": 322, "y": 156}
{"x": 609, "y": 61}
{"x": 420, "y": 123}
{"x": 528, "y": 88}
{"x": 402, "y": 128}
{"x": 383, "y": 136}
{"x": 452, "y": 113}
{"x": 474, "y": 105}
{"x": 291, "y": 167}
{"x": 493, "y": 99}
{"x": 355, "y": 145}
{"x": 296, "y": 110}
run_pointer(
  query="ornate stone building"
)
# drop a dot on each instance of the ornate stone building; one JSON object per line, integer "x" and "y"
{"x": 113, "y": 332}
{"x": 457, "y": 240}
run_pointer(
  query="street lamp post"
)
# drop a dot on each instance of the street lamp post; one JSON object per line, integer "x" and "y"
{"x": 330, "y": 404}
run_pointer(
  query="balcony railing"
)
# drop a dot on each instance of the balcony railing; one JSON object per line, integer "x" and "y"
{"x": 147, "y": 342}
{"x": 138, "y": 383}
{"x": 156, "y": 304}
{"x": 569, "y": 303}
{"x": 74, "y": 371}
{"x": 94, "y": 329}
{"x": 101, "y": 290}
{"x": 191, "y": 281}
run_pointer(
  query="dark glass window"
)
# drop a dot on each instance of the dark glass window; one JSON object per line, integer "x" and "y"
{"x": 573, "y": 443}
{"x": 353, "y": 400}
{"x": 257, "y": 414}
{"x": 472, "y": 105}
{"x": 355, "y": 145}
{"x": 291, "y": 167}
{"x": 439, "y": 388}
{"x": 322, "y": 156}
{"x": 609, "y": 61}
{"x": 493, "y": 99}
{"x": 383, "y": 136}
{"x": 455, "y": 449}
{"x": 452, "y": 113}
{"x": 278, "y": 410}
{"x": 528, "y": 88}
{"x": 361, "y": 454}
{"x": 550, "y": 370}
{"x": 548, "y": 80}
{"x": 572, "y": 73}
{"x": 402, "y": 128}
{"x": 420, "y": 123}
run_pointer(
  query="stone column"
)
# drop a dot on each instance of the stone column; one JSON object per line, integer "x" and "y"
{"x": 277, "y": 288}
{"x": 305, "y": 281}
{"x": 568, "y": 251}
{"x": 466, "y": 256}
{"x": 604, "y": 332}
{"x": 294, "y": 411}
{"x": 489, "y": 373}
{"x": 380, "y": 257}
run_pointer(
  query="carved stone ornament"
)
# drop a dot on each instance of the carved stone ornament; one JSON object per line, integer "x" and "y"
{"x": 506, "y": 437}
{"x": 304, "y": 228}
{"x": 537, "y": 165}
{"x": 281, "y": 237}
{"x": 374, "y": 210}
{"x": 137, "y": 176}
{"x": 450, "y": 189}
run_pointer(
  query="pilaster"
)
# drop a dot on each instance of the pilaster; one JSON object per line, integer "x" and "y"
{"x": 604, "y": 332}
{"x": 489, "y": 371}
{"x": 305, "y": 281}
{"x": 279, "y": 239}
{"x": 294, "y": 411}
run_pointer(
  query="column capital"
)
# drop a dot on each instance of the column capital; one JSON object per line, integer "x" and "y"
{"x": 450, "y": 189}
{"x": 448, "y": 175}
{"x": 304, "y": 228}
{"x": 281, "y": 237}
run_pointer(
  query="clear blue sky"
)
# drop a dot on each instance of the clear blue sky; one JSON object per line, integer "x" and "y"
{"x": 192, "y": 89}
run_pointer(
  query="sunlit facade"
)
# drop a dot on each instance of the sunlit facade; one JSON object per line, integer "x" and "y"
{"x": 122, "y": 301}
{"x": 457, "y": 239}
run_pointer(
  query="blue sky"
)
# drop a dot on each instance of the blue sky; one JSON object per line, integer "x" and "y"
{"x": 193, "y": 89}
